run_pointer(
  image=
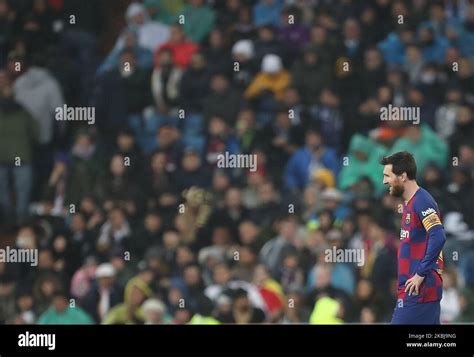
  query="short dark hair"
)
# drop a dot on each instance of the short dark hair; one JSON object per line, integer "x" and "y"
{"x": 288, "y": 217}
{"x": 401, "y": 162}
{"x": 128, "y": 51}
{"x": 240, "y": 293}
{"x": 60, "y": 293}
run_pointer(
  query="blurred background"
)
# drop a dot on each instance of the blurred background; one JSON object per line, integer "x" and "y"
{"x": 133, "y": 220}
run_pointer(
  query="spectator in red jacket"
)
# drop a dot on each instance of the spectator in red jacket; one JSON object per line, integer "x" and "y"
{"x": 181, "y": 47}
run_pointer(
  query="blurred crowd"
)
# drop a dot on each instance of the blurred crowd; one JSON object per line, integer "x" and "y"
{"x": 133, "y": 218}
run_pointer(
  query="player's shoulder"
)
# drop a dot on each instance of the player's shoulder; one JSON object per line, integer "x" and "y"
{"x": 426, "y": 209}
{"x": 424, "y": 204}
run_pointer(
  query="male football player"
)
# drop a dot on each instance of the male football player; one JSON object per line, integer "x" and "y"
{"x": 420, "y": 259}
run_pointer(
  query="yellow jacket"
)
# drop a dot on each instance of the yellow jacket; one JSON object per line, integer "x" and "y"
{"x": 276, "y": 83}
{"x": 325, "y": 312}
{"x": 203, "y": 320}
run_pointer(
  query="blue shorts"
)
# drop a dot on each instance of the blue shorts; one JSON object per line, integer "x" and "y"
{"x": 417, "y": 314}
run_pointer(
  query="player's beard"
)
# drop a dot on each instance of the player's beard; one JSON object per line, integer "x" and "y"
{"x": 397, "y": 189}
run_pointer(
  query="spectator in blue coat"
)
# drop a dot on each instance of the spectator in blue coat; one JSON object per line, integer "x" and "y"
{"x": 464, "y": 34}
{"x": 307, "y": 161}
{"x": 439, "y": 20}
{"x": 267, "y": 12}
{"x": 143, "y": 55}
{"x": 433, "y": 48}
{"x": 393, "y": 47}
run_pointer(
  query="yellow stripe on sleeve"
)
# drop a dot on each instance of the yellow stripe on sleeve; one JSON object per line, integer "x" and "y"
{"x": 431, "y": 221}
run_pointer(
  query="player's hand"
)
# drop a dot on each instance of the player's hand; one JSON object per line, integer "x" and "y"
{"x": 412, "y": 285}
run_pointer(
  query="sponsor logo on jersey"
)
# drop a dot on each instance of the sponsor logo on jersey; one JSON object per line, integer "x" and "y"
{"x": 404, "y": 234}
{"x": 428, "y": 211}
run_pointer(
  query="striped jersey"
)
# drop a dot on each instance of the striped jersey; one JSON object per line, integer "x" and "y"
{"x": 422, "y": 238}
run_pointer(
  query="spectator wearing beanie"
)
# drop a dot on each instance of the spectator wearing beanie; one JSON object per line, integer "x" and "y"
{"x": 272, "y": 78}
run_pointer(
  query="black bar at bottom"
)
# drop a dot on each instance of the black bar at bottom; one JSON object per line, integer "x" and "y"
{"x": 101, "y": 340}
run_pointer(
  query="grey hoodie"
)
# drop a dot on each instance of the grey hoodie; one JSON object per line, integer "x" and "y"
{"x": 40, "y": 94}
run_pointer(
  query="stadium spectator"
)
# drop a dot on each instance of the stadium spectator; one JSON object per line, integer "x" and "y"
{"x": 242, "y": 310}
{"x": 199, "y": 20}
{"x": 40, "y": 94}
{"x": 305, "y": 163}
{"x": 181, "y": 47}
{"x": 195, "y": 84}
{"x": 292, "y": 33}
{"x": 143, "y": 55}
{"x": 364, "y": 155}
{"x": 222, "y": 100}
{"x": 164, "y": 11}
{"x": 150, "y": 34}
{"x": 310, "y": 75}
{"x": 267, "y": 43}
{"x": 165, "y": 82}
{"x": 105, "y": 293}
{"x": 274, "y": 251}
{"x": 61, "y": 313}
{"x": 243, "y": 55}
{"x": 155, "y": 312}
{"x": 19, "y": 135}
{"x": 130, "y": 311}
{"x": 267, "y": 12}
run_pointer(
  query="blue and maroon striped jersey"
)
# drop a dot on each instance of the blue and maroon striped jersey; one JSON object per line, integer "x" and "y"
{"x": 422, "y": 238}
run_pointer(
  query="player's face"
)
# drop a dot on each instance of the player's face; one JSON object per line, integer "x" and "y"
{"x": 394, "y": 182}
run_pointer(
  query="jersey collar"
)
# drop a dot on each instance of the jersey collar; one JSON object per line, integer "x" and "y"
{"x": 407, "y": 202}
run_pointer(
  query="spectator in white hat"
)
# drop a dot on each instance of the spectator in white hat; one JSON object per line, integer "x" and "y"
{"x": 154, "y": 311}
{"x": 104, "y": 294}
{"x": 243, "y": 54}
{"x": 151, "y": 34}
{"x": 273, "y": 79}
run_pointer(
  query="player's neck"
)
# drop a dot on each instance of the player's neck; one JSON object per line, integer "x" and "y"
{"x": 410, "y": 189}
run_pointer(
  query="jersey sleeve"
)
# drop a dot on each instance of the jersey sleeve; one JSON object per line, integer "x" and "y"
{"x": 427, "y": 212}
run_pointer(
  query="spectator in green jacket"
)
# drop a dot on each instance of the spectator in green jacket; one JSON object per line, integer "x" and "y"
{"x": 198, "y": 20}
{"x": 62, "y": 313}
{"x": 86, "y": 168}
{"x": 362, "y": 162}
{"x": 131, "y": 312}
{"x": 165, "y": 11}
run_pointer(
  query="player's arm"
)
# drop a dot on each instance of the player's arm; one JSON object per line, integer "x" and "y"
{"x": 436, "y": 240}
